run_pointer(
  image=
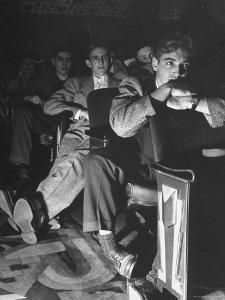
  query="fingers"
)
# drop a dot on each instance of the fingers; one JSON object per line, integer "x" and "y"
{"x": 33, "y": 99}
{"x": 181, "y": 87}
{"x": 161, "y": 93}
{"x": 130, "y": 86}
{"x": 84, "y": 114}
{"x": 182, "y": 93}
{"x": 180, "y": 103}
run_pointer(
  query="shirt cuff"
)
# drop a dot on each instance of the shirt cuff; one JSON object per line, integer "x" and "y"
{"x": 76, "y": 116}
{"x": 202, "y": 107}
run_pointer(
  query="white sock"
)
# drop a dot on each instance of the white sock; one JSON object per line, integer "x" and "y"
{"x": 104, "y": 232}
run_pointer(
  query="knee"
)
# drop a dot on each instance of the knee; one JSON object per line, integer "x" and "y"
{"x": 94, "y": 162}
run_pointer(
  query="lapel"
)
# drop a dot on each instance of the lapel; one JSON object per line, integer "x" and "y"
{"x": 87, "y": 85}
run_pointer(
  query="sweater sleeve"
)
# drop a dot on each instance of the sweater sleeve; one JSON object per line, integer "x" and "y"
{"x": 129, "y": 114}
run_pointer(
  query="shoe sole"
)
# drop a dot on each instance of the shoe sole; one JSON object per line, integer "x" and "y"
{"x": 23, "y": 217}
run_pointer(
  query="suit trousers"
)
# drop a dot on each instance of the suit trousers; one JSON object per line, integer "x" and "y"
{"x": 66, "y": 178}
{"x": 106, "y": 174}
{"x": 29, "y": 119}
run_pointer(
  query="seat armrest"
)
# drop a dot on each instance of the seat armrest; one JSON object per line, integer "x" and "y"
{"x": 185, "y": 174}
{"x": 94, "y": 133}
{"x": 63, "y": 116}
{"x": 97, "y": 140}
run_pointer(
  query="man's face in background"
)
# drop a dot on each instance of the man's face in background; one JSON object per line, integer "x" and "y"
{"x": 144, "y": 55}
{"x": 98, "y": 61}
{"x": 62, "y": 63}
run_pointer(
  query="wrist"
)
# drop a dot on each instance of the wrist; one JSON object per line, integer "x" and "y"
{"x": 194, "y": 102}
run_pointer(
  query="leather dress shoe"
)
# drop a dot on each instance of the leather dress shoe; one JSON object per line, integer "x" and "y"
{"x": 30, "y": 215}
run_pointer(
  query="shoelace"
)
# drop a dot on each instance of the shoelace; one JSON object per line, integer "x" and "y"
{"x": 117, "y": 257}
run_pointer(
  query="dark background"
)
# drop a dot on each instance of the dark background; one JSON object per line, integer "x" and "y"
{"x": 41, "y": 25}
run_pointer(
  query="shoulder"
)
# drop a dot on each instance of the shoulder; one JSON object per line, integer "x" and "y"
{"x": 113, "y": 82}
{"x": 72, "y": 82}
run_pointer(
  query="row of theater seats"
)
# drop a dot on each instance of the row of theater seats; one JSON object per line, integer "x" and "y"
{"x": 177, "y": 179}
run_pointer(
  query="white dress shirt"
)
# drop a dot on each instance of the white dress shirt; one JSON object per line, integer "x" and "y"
{"x": 99, "y": 83}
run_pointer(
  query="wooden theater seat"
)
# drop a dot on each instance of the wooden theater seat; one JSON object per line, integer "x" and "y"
{"x": 186, "y": 183}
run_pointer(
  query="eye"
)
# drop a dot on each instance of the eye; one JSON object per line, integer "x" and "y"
{"x": 186, "y": 66}
{"x": 59, "y": 58}
{"x": 170, "y": 63}
{"x": 94, "y": 58}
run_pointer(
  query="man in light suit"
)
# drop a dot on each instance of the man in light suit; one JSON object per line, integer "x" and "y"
{"x": 66, "y": 178}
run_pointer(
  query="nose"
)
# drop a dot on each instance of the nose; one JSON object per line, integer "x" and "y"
{"x": 101, "y": 60}
{"x": 177, "y": 71}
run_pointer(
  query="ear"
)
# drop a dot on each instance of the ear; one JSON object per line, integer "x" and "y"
{"x": 155, "y": 63}
{"x": 88, "y": 63}
{"x": 53, "y": 61}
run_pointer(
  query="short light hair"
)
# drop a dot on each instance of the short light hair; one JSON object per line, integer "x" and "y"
{"x": 173, "y": 41}
{"x": 95, "y": 46}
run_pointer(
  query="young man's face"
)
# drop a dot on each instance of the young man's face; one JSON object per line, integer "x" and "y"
{"x": 144, "y": 55}
{"x": 171, "y": 66}
{"x": 98, "y": 61}
{"x": 27, "y": 67}
{"x": 62, "y": 63}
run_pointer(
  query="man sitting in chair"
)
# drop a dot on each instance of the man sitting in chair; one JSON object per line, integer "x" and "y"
{"x": 66, "y": 178}
{"x": 109, "y": 169}
{"x": 30, "y": 119}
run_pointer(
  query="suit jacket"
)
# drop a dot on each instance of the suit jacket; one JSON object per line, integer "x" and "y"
{"x": 71, "y": 97}
{"x": 129, "y": 116}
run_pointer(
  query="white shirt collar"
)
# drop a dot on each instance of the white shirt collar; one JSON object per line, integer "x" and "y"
{"x": 100, "y": 82}
{"x": 156, "y": 84}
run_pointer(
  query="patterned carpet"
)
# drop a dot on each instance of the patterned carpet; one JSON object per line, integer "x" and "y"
{"x": 65, "y": 265}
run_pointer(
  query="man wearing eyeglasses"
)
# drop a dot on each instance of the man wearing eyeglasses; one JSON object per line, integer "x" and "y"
{"x": 66, "y": 178}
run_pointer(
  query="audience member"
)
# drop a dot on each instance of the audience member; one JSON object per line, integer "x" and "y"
{"x": 108, "y": 170}
{"x": 66, "y": 178}
{"x": 18, "y": 85}
{"x": 29, "y": 118}
{"x": 141, "y": 67}
{"x": 118, "y": 68}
